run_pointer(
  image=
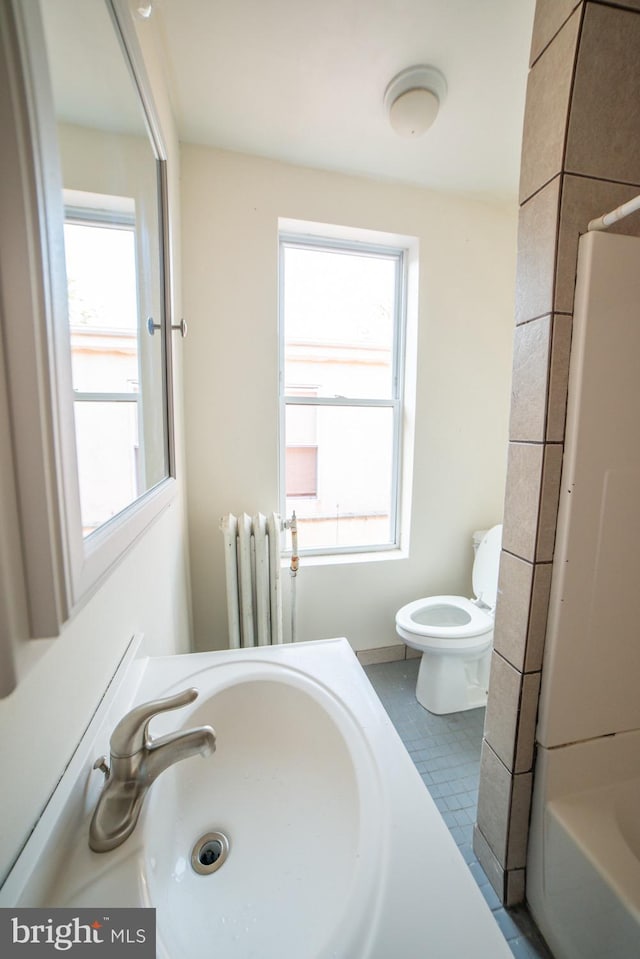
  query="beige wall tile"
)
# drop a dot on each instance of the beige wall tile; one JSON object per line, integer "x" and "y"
{"x": 492, "y": 868}
{"x": 558, "y": 377}
{"x": 524, "y": 477}
{"x": 531, "y": 350}
{"x": 503, "y": 706}
{"x": 526, "y": 729}
{"x": 383, "y": 654}
{"x": 538, "y": 616}
{"x": 537, "y": 228}
{"x": 511, "y": 714}
{"x": 583, "y": 199}
{"x": 547, "y": 109}
{"x": 541, "y": 354}
{"x": 515, "y": 585}
{"x": 519, "y": 821}
{"x": 494, "y": 802}
{"x": 521, "y": 613}
{"x": 605, "y": 106}
{"x": 549, "y": 17}
{"x": 515, "y": 887}
{"x": 549, "y": 497}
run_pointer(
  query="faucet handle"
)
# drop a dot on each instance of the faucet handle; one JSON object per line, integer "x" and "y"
{"x": 132, "y": 732}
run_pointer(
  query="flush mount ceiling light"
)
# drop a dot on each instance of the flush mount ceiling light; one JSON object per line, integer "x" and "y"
{"x": 413, "y": 98}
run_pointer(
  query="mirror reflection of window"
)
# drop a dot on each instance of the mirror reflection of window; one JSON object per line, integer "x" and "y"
{"x": 103, "y": 320}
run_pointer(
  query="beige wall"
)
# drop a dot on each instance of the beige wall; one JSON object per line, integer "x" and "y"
{"x": 44, "y": 718}
{"x": 580, "y": 160}
{"x": 230, "y": 207}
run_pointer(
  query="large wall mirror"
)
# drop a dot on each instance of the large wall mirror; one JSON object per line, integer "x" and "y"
{"x": 113, "y": 256}
{"x": 99, "y": 346}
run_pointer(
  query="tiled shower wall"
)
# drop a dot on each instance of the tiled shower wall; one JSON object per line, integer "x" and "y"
{"x": 580, "y": 159}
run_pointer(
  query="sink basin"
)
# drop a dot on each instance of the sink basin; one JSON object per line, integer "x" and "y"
{"x": 336, "y": 849}
{"x": 292, "y": 786}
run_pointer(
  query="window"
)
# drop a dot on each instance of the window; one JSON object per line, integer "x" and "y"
{"x": 301, "y": 450}
{"x": 342, "y": 308}
{"x": 103, "y": 320}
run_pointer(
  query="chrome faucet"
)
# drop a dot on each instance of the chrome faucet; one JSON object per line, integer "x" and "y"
{"x": 136, "y": 761}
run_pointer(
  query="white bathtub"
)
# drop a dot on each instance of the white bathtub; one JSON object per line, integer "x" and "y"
{"x": 584, "y": 868}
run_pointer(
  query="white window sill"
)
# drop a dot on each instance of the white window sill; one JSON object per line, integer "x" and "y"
{"x": 347, "y": 559}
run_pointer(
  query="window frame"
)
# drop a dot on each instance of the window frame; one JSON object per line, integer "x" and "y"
{"x": 288, "y": 238}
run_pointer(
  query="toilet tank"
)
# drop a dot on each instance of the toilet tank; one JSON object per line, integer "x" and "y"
{"x": 486, "y": 565}
{"x": 476, "y": 538}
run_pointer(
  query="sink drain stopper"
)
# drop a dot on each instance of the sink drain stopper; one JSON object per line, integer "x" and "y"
{"x": 209, "y": 852}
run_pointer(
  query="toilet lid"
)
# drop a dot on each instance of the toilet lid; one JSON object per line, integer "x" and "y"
{"x": 486, "y": 566}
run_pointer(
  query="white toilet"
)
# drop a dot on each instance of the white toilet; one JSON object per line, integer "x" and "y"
{"x": 455, "y": 636}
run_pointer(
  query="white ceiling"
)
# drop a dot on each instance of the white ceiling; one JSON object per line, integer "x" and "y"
{"x": 303, "y": 81}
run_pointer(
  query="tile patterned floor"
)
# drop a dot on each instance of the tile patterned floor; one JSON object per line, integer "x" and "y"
{"x": 446, "y": 751}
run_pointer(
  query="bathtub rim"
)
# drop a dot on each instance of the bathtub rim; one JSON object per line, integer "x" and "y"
{"x": 562, "y": 772}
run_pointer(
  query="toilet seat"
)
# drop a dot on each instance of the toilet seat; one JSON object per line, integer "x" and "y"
{"x": 452, "y": 623}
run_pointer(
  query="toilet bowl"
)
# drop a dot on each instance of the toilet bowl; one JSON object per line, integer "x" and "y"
{"x": 455, "y": 636}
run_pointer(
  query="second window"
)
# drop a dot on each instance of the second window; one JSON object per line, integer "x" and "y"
{"x": 342, "y": 309}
